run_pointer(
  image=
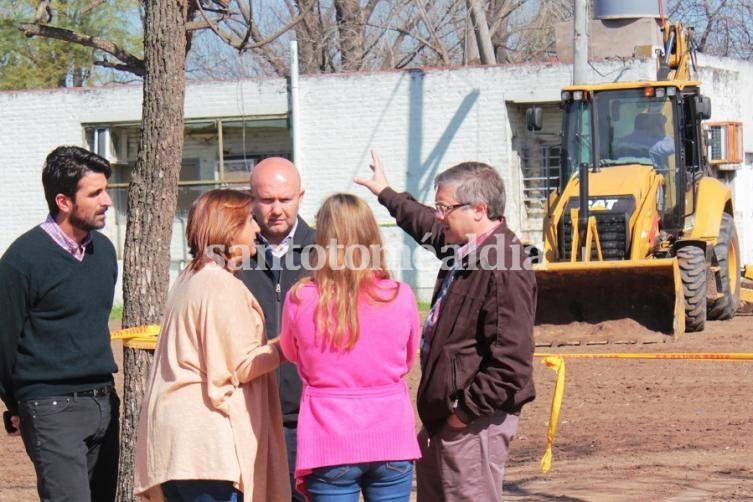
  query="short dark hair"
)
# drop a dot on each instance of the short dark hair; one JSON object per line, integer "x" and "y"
{"x": 64, "y": 168}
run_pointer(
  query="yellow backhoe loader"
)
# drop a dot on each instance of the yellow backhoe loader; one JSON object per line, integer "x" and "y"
{"x": 639, "y": 227}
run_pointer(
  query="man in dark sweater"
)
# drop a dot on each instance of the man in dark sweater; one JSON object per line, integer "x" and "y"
{"x": 56, "y": 290}
{"x": 284, "y": 237}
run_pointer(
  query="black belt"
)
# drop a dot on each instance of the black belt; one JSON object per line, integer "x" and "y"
{"x": 95, "y": 392}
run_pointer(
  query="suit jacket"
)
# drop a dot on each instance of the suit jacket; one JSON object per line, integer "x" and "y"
{"x": 270, "y": 292}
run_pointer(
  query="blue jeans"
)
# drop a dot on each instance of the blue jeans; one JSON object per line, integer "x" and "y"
{"x": 201, "y": 490}
{"x": 380, "y": 482}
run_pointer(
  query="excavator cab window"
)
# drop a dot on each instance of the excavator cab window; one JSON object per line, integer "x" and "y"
{"x": 636, "y": 126}
{"x": 633, "y": 127}
{"x": 639, "y": 126}
{"x": 576, "y": 141}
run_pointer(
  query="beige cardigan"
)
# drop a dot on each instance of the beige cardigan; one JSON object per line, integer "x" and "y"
{"x": 211, "y": 408}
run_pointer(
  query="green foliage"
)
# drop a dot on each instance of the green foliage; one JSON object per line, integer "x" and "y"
{"x": 38, "y": 62}
{"x": 116, "y": 313}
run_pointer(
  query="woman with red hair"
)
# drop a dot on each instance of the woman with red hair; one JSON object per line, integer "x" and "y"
{"x": 210, "y": 426}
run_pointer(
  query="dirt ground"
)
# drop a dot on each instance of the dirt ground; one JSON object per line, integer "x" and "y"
{"x": 629, "y": 430}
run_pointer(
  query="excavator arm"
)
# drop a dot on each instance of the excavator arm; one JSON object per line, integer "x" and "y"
{"x": 679, "y": 52}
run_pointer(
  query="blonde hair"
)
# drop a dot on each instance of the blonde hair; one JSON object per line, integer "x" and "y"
{"x": 215, "y": 218}
{"x": 350, "y": 245}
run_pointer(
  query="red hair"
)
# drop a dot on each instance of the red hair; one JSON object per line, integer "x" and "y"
{"x": 215, "y": 218}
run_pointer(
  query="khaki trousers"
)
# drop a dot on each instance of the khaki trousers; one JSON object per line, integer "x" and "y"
{"x": 468, "y": 464}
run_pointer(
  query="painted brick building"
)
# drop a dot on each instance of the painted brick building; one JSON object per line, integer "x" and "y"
{"x": 420, "y": 122}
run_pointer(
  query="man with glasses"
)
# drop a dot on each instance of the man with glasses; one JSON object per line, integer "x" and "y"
{"x": 284, "y": 237}
{"x": 477, "y": 346}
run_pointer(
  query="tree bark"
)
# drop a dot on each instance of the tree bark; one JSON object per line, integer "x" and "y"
{"x": 481, "y": 29}
{"x": 499, "y": 27}
{"x": 350, "y": 25}
{"x": 310, "y": 36}
{"x": 152, "y": 197}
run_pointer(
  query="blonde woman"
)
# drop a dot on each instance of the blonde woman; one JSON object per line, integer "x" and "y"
{"x": 210, "y": 426}
{"x": 353, "y": 334}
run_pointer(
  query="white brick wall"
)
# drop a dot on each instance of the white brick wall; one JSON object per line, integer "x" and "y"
{"x": 420, "y": 122}
{"x": 729, "y": 82}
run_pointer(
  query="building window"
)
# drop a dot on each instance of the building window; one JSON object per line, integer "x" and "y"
{"x": 218, "y": 153}
{"x": 541, "y": 172}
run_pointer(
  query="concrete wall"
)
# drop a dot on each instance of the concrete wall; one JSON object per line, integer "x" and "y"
{"x": 729, "y": 82}
{"x": 420, "y": 122}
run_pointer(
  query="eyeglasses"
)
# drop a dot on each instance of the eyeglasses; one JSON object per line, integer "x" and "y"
{"x": 444, "y": 209}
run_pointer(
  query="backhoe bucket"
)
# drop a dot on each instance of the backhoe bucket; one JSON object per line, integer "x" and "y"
{"x": 648, "y": 291}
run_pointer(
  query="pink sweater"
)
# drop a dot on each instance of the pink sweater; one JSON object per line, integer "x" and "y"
{"x": 355, "y": 405}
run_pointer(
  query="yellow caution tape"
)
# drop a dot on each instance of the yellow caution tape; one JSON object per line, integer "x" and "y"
{"x": 557, "y": 363}
{"x": 135, "y": 332}
{"x": 141, "y": 343}
{"x": 145, "y": 337}
{"x": 729, "y": 356}
{"x": 138, "y": 337}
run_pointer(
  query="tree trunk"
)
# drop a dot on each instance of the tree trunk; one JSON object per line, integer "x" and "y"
{"x": 481, "y": 28}
{"x": 350, "y": 29}
{"x": 310, "y": 37}
{"x": 470, "y": 46}
{"x": 152, "y": 196}
{"x": 498, "y": 17}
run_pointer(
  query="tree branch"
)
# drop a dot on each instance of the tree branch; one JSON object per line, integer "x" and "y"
{"x": 242, "y": 44}
{"x": 115, "y": 66}
{"x": 439, "y": 47}
{"x": 92, "y": 6}
{"x": 202, "y": 24}
{"x": 130, "y": 64}
{"x": 439, "y": 51}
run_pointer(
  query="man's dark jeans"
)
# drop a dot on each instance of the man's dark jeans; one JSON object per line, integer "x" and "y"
{"x": 73, "y": 442}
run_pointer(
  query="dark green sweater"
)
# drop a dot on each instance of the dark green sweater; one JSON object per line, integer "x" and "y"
{"x": 54, "y": 312}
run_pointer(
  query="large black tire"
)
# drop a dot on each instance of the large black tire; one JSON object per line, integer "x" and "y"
{"x": 692, "y": 261}
{"x": 727, "y": 278}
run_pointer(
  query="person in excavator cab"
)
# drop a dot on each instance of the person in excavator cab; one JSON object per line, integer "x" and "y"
{"x": 648, "y": 140}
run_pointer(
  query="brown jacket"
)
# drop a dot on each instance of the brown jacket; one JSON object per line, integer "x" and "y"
{"x": 481, "y": 355}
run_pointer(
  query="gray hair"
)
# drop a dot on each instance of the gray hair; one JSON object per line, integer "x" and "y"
{"x": 476, "y": 182}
